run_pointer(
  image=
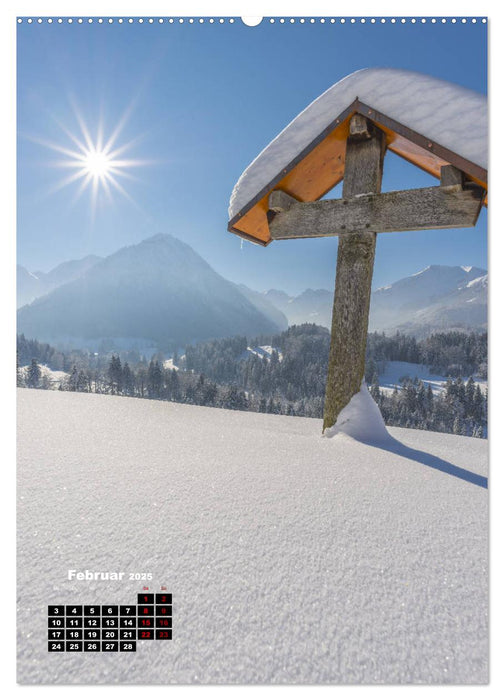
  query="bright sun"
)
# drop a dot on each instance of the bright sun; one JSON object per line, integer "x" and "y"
{"x": 97, "y": 163}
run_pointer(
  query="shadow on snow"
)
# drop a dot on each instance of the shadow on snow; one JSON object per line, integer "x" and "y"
{"x": 432, "y": 461}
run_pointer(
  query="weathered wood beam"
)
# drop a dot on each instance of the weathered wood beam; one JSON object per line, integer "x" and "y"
{"x": 363, "y": 174}
{"x": 280, "y": 201}
{"x": 446, "y": 206}
{"x": 452, "y": 177}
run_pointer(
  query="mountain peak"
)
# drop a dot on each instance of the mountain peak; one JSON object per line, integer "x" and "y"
{"x": 448, "y": 269}
{"x": 161, "y": 237}
{"x": 159, "y": 292}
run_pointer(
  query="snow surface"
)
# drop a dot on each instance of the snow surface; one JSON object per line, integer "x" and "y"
{"x": 394, "y": 370}
{"x": 449, "y": 114}
{"x": 479, "y": 281}
{"x": 361, "y": 419}
{"x": 262, "y": 351}
{"x": 291, "y": 558}
{"x": 168, "y": 364}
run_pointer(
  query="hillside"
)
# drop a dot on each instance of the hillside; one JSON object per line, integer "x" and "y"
{"x": 158, "y": 294}
{"x": 292, "y": 558}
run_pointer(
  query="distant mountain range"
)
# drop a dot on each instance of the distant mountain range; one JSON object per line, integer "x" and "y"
{"x": 160, "y": 294}
{"x": 31, "y": 285}
{"x": 439, "y": 298}
{"x": 311, "y": 306}
{"x": 157, "y": 294}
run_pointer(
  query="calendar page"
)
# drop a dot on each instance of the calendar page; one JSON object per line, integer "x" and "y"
{"x": 252, "y": 350}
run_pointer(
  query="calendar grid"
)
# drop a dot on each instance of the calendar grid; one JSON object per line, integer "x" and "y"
{"x": 109, "y": 628}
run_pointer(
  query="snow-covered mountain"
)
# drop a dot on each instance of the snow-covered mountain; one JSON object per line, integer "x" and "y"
{"x": 438, "y": 298}
{"x": 31, "y": 285}
{"x": 265, "y": 306}
{"x": 28, "y": 286}
{"x": 159, "y": 292}
{"x": 311, "y": 306}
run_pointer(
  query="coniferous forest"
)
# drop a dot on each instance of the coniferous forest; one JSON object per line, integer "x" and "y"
{"x": 289, "y": 378}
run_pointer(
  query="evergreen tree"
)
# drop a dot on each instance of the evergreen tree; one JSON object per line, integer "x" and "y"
{"x": 115, "y": 375}
{"x": 141, "y": 380}
{"x": 154, "y": 379}
{"x": 73, "y": 380}
{"x": 375, "y": 389}
{"x": 82, "y": 382}
{"x": 34, "y": 372}
{"x": 128, "y": 380}
{"x": 20, "y": 381}
{"x": 173, "y": 385}
{"x": 457, "y": 426}
{"x": 478, "y": 431}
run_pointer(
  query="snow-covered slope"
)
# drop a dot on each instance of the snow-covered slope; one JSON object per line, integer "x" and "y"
{"x": 291, "y": 558}
{"x": 449, "y": 114}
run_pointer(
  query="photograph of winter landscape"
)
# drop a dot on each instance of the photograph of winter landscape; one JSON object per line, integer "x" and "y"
{"x": 252, "y": 348}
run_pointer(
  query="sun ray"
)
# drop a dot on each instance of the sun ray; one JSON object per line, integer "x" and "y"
{"x": 112, "y": 180}
{"x": 122, "y": 191}
{"x": 61, "y": 184}
{"x": 95, "y": 159}
{"x": 82, "y": 124}
{"x": 106, "y": 189}
{"x": 78, "y": 142}
{"x": 128, "y": 163}
{"x": 99, "y": 136}
{"x": 123, "y": 173}
{"x": 120, "y": 126}
{"x": 82, "y": 187}
{"x": 94, "y": 198}
{"x": 53, "y": 146}
{"x": 126, "y": 146}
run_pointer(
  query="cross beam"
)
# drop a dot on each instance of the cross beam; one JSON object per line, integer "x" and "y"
{"x": 356, "y": 218}
{"x": 450, "y": 206}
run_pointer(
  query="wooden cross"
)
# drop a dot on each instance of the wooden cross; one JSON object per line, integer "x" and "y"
{"x": 356, "y": 218}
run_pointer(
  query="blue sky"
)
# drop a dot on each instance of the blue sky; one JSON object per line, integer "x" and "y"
{"x": 201, "y": 102}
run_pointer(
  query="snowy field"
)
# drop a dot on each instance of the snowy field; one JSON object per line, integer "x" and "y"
{"x": 394, "y": 370}
{"x": 291, "y": 558}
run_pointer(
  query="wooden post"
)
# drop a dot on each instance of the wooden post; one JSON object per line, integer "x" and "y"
{"x": 356, "y": 251}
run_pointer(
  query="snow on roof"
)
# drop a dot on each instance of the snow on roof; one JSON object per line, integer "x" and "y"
{"x": 452, "y": 116}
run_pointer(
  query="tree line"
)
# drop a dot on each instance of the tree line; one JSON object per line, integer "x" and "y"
{"x": 224, "y": 373}
{"x": 461, "y": 408}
